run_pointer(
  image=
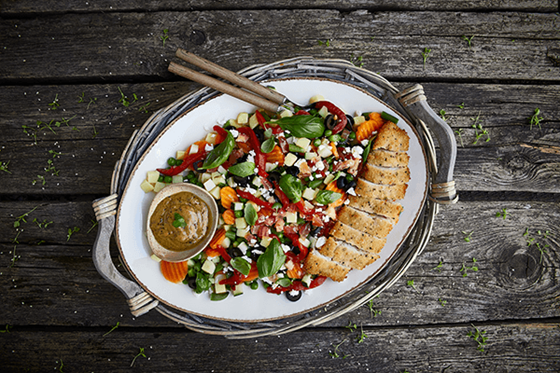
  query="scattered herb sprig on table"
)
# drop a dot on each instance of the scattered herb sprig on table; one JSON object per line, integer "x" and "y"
{"x": 61, "y": 366}
{"x": 411, "y": 284}
{"x": 7, "y": 330}
{"x": 326, "y": 42}
{"x": 141, "y": 353}
{"x": 357, "y": 61}
{"x": 442, "y": 114}
{"x": 438, "y": 267}
{"x": 362, "y": 335}
{"x": 468, "y": 235}
{"x": 334, "y": 354}
{"x": 71, "y": 231}
{"x": 42, "y": 225}
{"x": 535, "y": 120}
{"x": 478, "y": 127}
{"x": 113, "y": 328}
{"x": 373, "y": 312}
{"x": 144, "y": 108}
{"x": 459, "y": 133}
{"x": 464, "y": 268}
{"x": 425, "y": 56}
{"x": 442, "y": 302}
{"x": 165, "y": 36}
{"x": 468, "y": 40}
{"x": 21, "y": 218}
{"x": 4, "y": 167}
{"x": 502, "y": 214}
{"x": 124, "y": 99}
{"x": 54, "y": 105}
{"x": 93, "y": 225}
{"x": 15, "y": 257}
{"x": 541, "y": 246}
{"x": 479, "y": 337}
{"x": 461, "y": 105}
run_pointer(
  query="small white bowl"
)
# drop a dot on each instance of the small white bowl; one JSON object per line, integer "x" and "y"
{"x": 180, "y": 256}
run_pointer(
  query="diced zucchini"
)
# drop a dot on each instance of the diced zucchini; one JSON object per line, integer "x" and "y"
{"x": 266, "y": 241}
{"x": 216, "y": 192}
{"x": 204, "y": 177}
{"x": 238, "y": 206}
{"x": 309, "y": 194}
{"x": 270, "y": 166}
{"x": 152, "y": 176}
{"x": 290, "y": 159}
{"x": 323, "y": 111}
{"x": 257, "y": 181}
{"x": 253, "y": 122}
{"x": 159, "y": 186}
{"x": 242, "y": 118}
{"x": 231, "y": 182}
{"x": 208, "y": 266}
{"x": 209, "y": 184}
{"x": 146, "y": 186}
{"x": 328, "y": 179}
{"x": 291, "y": 217}
{"x": 359, "y": 120}
{"x": 211, "y": 138}
{"x": 194, "y": 149}
{"x": 177, "y": 179}
{"x": 240, "y": 223}
{"x": 324, "y": 151}
{"x": 180, "y": 154}
{"x": 310, "y": 155}
{"x": 238, "y": 290}
{"x": 155, "y": 258}
{"x": 233, "y": 123}
{"x": 219, "y": 288}
{"x": 285, "y": 114}
{"x": 303, "y": 143}
{"x": 242, "y": 232}
{"x": 316, "y": 98}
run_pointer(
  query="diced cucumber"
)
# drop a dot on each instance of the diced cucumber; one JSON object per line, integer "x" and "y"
{"x": 209, "y": 266}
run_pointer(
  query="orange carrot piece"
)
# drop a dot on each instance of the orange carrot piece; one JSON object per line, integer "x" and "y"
{"x": 275, "y": 156}
{"x": 218, "y": 238}
{"x": 174, "y": 271}
{"x": 332, "y": 187}
{"x": 334, "y": 150}
{"x": 253, "y": 274}
{"x": 228, "y": 195}
{"x": 296, "y": 271}
{"x": 370, "y": 126}
{"x": 229, "y": 217}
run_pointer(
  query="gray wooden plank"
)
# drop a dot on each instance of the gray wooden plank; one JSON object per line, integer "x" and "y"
{"x": 511, "y": 347}
{"x": 517, "y": 157}
{"x": 113, "y": 46}
{"x": 19, "y": 7}
{"x": 56, "y": 283}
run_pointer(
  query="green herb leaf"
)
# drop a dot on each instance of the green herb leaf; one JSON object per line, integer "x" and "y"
{"x": 308, "y": 126}
{"x": 220, "y": 153}
{"x": 242, "y": 169}
{"x": 284, "y": 282}
{"x": 179, "y": 221}
{"x": 325, "y": 197}
{"x": 271, "y": 260}
{"x": 291, "y": 186}
{"x": 241, "y": 265}
{"x": 202, "y": 282}
{"x": 218, "y": 297}
{"x": 367, "y": 149}
{"x": 250, "y": 214}
{"x": 268, "y": 145}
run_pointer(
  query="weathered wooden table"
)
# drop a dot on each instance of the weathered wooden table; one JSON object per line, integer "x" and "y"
{"x": 64, "y": 70}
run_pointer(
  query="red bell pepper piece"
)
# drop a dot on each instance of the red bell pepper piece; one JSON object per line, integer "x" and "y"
{"x": 252, "y": 198}
{"x": 277, "y": 130}
{"x": 222, "y": 134}
{"x": 260, "y": 119}
{"x": 283, "y": 197}
{"x": 302, "y": 112}
{"x": 260, "y": 158}
{"x": 187, "y": 162}
{"x": 297, "y": 286}
{"x": 336, "y": 111}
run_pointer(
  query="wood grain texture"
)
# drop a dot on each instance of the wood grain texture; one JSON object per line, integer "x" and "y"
{"x": 27, "y": 7}
{"x": 119, "y": 46}
{"x": 513, "y": 347}
{"x": 513, "y": 282}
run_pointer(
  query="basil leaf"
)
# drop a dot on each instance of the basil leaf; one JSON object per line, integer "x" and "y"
{"x": 367, "y": 150}
{"x": 241, "y": 265}
{"x": 220, "y": 153}
{"x": 202, "y": 282}
{"x": 284, "y": 282}
{"x": 303, "y": 126}
{"x": 221, "y": 296}
{"x": 268, "y": 133}
{"x": 179, "y": 221}
{"x": 292, "y": 187}
{"x": 242, "y": 169}
{"x": 250, "y": 214}
{"x": 325, "y": 197}
{"x": 271, "y": 260}
{"x": 268, "y": 145}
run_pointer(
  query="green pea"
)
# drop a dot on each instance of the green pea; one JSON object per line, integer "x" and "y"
{"x": 349, "y": 177}
{"x": 160, "y": 178}
{"x": 238, "y": 213}
{"x": 254, "y": 285}
{"x": 317, "y": 142}
{"x": 241, "y": 199}
{"x": 335, "y": 138}
{"x": 171, "y": 161}
{"x": 352, "y": 135}
{"x": 167, "y": 179}
{"x": 277, "y": 205}
{"x": 328, "y": 133}
{"x": 178, "y": 162}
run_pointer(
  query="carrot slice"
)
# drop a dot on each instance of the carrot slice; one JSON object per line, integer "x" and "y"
{"x": 295, "y": 271}
{"x": 229, "y": 217}
{"x": 218, "y": 238}
{"x": 228, "y": 195}
{"x": 332, "y": 187}
{"x": 201, "y": 144}
{"x": 275, "y": 156}
{"x": 244, "y": 146}
{"x": 253, "y": 274}
{"x": 174, "y": 271}
{"x": 370, "y": 126}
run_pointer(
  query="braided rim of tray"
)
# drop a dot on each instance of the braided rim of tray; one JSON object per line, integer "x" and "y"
{"x": 299, "y": 67}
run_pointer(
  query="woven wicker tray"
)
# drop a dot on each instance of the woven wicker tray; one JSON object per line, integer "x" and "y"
{"x": 411, "y": 103}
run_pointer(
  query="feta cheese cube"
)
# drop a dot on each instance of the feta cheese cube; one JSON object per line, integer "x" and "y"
{"x": 290, "y": 159}
{"x": 209, "y": 184}
{"x": 243, "y": 247}
{"x": 324, "y": 151}
{"x": 238, "y": 206}
{"x": 304, "y": 241}
{"x": 194, "y": 149}
{"x": 321, "y": 241}
{"x": 359, "y": 120}
{"x": 242, "y": 118}
{"x": 291, "y": 217}
{"x": 270, "y": 166}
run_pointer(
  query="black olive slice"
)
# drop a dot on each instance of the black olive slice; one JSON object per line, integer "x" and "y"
{"x": 330, "y": 122}
{"x": 192, "y": 282}
{"x": 293, "y": 298}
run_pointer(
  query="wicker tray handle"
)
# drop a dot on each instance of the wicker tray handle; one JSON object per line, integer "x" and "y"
{"x": 139, "y": 301}
{"x": 443, "y": 187}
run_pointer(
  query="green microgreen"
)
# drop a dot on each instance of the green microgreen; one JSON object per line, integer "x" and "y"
{"x": 15, "y": 257}
{"x": 357, "y": 61}
{"x": 541, "y": 249}
{"x": 438, "y": 267}
{"x": 141, "y": 353}
{"x": 40, "y": 178}
{"x": 61, "y": 366}
{"x": 442, "y": 302}
{"x": 459, "y": 133}
{"x": 30, "y": 132}
{"x": 461, "y": 105}
{"x": 351, "y": 326}
{"x": 442, "y": 114}
{"x": 93, "y": 225}
{"x": 91, "y": 101}
{"x": 541, "y": 246}
{"x": 113, "y": 328}
{"x": 479, "y": 337}
{"x": 468, "y": 236}
{"x": 425, "y": 55}
{"x": 411, "y": 284}
{"x": 64, "y": 121}
{"x": 502, "y": 214}
{"x": 535, "y": 120}
{"x": 464, "y": 268}
{"x": 4, "y": 167}
{"x": 54, "y": 105}
{"x": 124, "y": 99}
{"x": 468, "y": 40}
{"x": 326, "y": 42}
{"x": 334, "y": 354}
{"x": 15, "y": 239}
{"x": 7, "y": 330}
{"x": 21, "y": 218}
{"x": 144, "y": 108}
{"x": 95, "y": 133}
{"x": 165, "y": 36}
{"x": 478, "y": 127}
{"x": 81, "y": 97}
{"x": 71, "y": 231}
{"x": 372, "y": 312}
{"x": 362, "y": 335}
{"x": 42, "y": 125}
{"x": 44, "y": 224}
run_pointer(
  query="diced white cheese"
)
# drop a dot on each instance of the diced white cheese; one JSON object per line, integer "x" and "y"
{"x": 194, "y": 149}
{"x": 240, "y": 223}
{"x": 357, "y": 151}
{"x": 323, "y": 111}
{"x": 359, "y": 120}
{"x": 211, "y": 139}
{"x": 304, "y": 241}
{"x": 243, "y": 247}
{"x": 234, "y": 133}
{"x": 221, "y": 170}
{"x": 242, "y": 118}
{"x": 209, "y": 185}
{"x": 303, "y": 143}
{"x": 238, "y": 206}
{"x": 225, "y": 243}
{"x": 324, "y": 151}
{"x": 204, "y": 177}
{"x": 257, "y": 181}
{"x": 290, "y": 159}
{"x": 291, "y": 217}
{"x": 309, "y": 194}
{"x": 146, "y": 186}
{"x": 310, "y": 155}
{"x": 321, "y": 241}
{"x": 208, "y": 147}
{"x": 320, "y": 166}
{"x": 351, "y": 191}
{"x": 243, "y": 232}
{"x": 365, "y": 142}
{"x": 285, "y": 248}
{"x": 270, "y": 166}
